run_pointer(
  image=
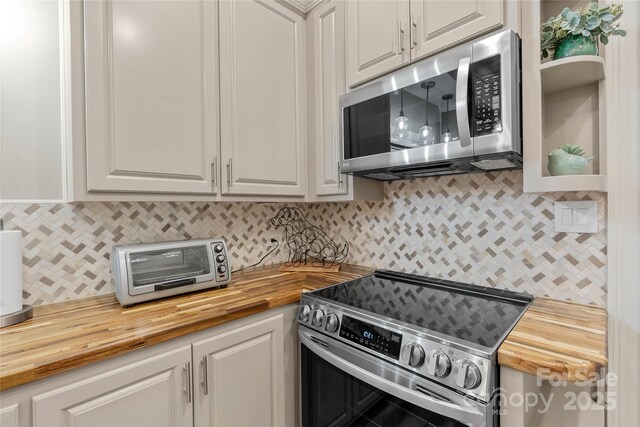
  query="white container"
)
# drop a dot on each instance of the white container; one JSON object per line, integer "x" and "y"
{"x": 10, "y": 271}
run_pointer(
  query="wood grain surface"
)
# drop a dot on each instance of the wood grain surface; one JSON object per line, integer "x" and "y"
{"x": 71, "y": 334}
{"x": 557, "y": 337}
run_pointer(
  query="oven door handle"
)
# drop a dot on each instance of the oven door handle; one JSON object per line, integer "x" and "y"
{"x": 466, "y": 415}
{"x": 462, "y": 102}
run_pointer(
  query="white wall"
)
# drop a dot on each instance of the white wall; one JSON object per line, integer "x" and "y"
{"x": 31, "y": 161}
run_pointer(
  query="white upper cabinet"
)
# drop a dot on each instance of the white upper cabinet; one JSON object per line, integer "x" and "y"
{"x": 329, "y": 82}
{"x": 385, "y": 34}
{"x": 377, "y": 37}
{"x": 439, "y": 24}
{"x": 151, "y": 95}
{"x": 263, "y": 114}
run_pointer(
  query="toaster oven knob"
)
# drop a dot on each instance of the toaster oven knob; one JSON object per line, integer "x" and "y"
{"x": 220, "y": 258}
{"x": 317, "y": 316}
{"x": 412, "y": 354}
{"x": 304, "y": 312}
{"x": 467, "y": 375}
{"x": 222, "y": 269}
{"x": 331, "y": 323}
{"x": 218, "y": 248}
{"x": 438, "y": 364}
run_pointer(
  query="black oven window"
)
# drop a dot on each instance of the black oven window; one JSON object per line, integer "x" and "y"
{"x": 330, "y": 397}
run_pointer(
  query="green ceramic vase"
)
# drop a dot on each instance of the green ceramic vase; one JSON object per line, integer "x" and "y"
{"x": 576, "y": 45}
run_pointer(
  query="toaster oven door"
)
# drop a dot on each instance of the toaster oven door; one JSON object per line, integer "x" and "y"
{"x": 161, "y": 269}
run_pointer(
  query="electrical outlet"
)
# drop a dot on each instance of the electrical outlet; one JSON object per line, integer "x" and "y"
{"x": 272, "y": 242}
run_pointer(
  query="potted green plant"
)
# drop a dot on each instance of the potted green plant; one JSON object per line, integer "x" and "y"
{"x": 577, "y": 32}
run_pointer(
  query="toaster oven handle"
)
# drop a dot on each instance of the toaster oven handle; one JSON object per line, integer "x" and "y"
{"x": 462, "y": 102}
{"x": 174, "y": 284}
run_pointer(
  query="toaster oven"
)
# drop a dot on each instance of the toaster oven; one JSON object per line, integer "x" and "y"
{"x": 148, "y": 271}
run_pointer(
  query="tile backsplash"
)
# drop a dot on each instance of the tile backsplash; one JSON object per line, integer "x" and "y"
{"x": 477, "y": 228}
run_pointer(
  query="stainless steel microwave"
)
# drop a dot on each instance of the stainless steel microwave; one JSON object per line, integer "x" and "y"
{"x": 456, "y": 112}
{"x": 147, "y": 271}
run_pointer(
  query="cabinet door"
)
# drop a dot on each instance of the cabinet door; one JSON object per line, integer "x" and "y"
{"x": 377, "y": 37}
{"x": 329, "y": 76}
{"x": 438, "y": 24}
{"x": 262, "y": 99}
{"x": 151, "y": 95}
{"x": 10, "y": 416}
{"x": 150, "y": 393}
{"x": 241, "y": 376}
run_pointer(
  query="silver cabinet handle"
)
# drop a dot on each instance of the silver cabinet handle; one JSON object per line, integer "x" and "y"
{"x": 214, "y": 171}
{"x": 205, "y": 374}
{"x": 187, "y": 370}
{"x": 414, "y": 32}
{"x": 400, "y": 39}
{"x": 339, "y": 175}
{"x": 229, "y": 173}
{"x": 462, "y": 110}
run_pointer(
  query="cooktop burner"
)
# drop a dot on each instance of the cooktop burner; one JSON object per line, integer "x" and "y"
{"x": 470, "y": 313}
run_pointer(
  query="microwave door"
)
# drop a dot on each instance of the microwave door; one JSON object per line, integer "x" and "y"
{"x": 425, "y": 120}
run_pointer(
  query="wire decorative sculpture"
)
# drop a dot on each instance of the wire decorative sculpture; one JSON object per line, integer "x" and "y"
{"x": 307, "y": 244}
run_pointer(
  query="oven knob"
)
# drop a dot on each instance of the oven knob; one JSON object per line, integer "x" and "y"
{"x": 222, "y": 269}
{"x": 412, "y": 355}
{"x": 438, "y": 364}
{"x": 468, "y": 375}
{"x": 316, "y": 318}
{"x": 220, "y": 258}
{"x": 331, "y": 323}
{"x": 218, "y": 248}
{"x": 304, "y": 312}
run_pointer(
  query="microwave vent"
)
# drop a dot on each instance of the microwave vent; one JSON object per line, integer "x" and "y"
{"x": 493, "y": 164}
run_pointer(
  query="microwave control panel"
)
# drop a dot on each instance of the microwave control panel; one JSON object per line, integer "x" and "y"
{"x": 487, "y": 111}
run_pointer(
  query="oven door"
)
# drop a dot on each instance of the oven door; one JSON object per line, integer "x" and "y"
{"x": 341, "y": 386}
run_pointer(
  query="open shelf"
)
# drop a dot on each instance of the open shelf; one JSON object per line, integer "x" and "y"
{"x": 567, "y": 183}
{"x": 568, "y": 73}
{"x": 563, "y": 102}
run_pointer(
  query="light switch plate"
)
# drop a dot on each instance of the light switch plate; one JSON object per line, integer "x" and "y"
{"x": 577, "y": 217}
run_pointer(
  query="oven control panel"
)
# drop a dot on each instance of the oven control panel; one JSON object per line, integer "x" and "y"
{"x": 371, "y": 336}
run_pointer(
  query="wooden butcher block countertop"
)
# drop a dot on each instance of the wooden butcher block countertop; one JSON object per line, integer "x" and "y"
{"x": 552, "y": 334}
{"x": 557, "y": 337}
{"x": 67, "y": 335}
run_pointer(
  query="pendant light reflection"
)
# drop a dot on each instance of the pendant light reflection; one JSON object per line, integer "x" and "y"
{"x": 401, "y": 124}
{"x": 426, "y": 134}
{"x": 446, "y": 136}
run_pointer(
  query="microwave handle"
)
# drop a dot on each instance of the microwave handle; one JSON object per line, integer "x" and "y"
{"x": 462, "y": 102}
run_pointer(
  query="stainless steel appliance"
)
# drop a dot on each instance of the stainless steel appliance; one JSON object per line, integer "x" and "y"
{"x": 148, "y": 271}
{"x": 392, "y": 349}
{"x": 456, "y": 112}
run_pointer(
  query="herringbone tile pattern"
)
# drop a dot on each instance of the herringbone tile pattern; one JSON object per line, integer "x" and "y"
{"x": 67, "y": 247}
{"x": 477, "y": 228}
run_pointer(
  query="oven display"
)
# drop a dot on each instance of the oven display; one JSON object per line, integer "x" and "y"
{"x": 371, "y": 336}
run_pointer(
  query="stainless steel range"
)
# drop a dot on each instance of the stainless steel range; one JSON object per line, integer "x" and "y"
{"x": 392, "y": 349}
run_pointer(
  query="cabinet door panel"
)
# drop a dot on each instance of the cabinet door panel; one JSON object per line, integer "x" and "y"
{"x": 262, "y": 98}
{"x": 10, "y": 416}
{"x": 329, "y": 83}
{"x": 151, "y": 85}
{"x": 149, "y": 393}
{"x": 440, "y": 24}
{"x": 377, "y": 34}
{"x": 245, "y": 376}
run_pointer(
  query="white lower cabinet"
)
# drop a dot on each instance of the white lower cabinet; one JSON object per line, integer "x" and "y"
{"x": 243, "y": 373}
{"x": 241, "y": 380}
{"x": 152, "y": 393}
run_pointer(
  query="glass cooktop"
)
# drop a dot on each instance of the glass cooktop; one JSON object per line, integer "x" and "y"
{"x": 475, "y": 314}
